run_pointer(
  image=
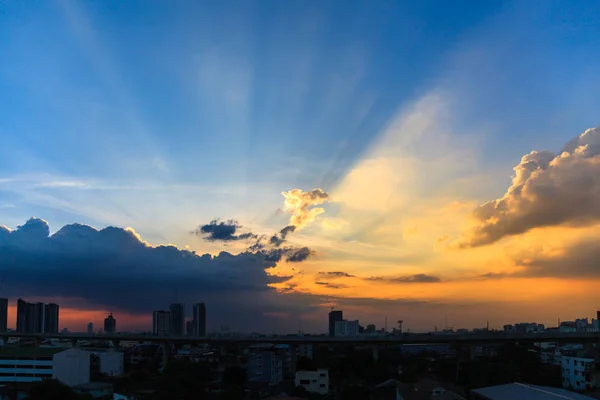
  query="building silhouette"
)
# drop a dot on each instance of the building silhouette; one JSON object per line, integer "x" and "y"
{"x": 110, "y": 324}
{"x": 334, "y": 316}
{"x": 51, "y": 318}
{"x": 37, "y": 317}
{"x": 199, "y": 320}
{"x": 3, "y": 314}
{"x": 90, "y": 328}
{"x": 161, "y": 322}
{"x": 177, "y": 319}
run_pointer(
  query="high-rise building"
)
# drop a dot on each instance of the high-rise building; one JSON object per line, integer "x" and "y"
{"x": 3, "y": 314}
{"x": 51, "y": 318}
{"x": 189, "y": 327}
{"x": 161, "y": 322}
{"x": 110, "y": 324}
{"x": 90, "y": 328}
{"x": 334, "y": 316}
{"x": 21, "y": 316}
{"x": 177, "y": 319}
{"x": 199, "y": 320}
{"x": 36, "y": 317}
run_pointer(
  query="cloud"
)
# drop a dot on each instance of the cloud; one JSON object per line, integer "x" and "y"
{"x": 417, "y": 278}
{"x": 290, "y": 254}
{"x": 339, "y": 274}
{"x": 330, "y": 285}
{"x": 547, "y": 190}
{"x": 302, "y": 206}
{"x": 80, "y": 262}
{"x": 223, "y": 231}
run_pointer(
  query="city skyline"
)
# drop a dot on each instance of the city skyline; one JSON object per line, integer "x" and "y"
{"x": 424, "y": 162}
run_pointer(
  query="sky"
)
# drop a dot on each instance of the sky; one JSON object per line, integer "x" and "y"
{"x": 433, "y": 162}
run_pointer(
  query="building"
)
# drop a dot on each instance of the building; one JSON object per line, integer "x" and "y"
{"x": 576, "y": 372}
{"x": 3, "y": 314}
{"x": 177, "y": 319}
{"x": 90, "y": 328}
{"x": 265, "y": 365}
{"x": 110, "y": 324}
{"x": 161, "y": 322}
{"x": 189, "y": 328}
{"x": 334, "y": 316}
{"x": 37, "y": 317}
{"x": 304, "y": 350}
{"x": 31, "y": 364}
{"x": 313, "y": 381}
{"x": 111, "y": 362}
{"x": 513, "y": 391}
{"x": 199, "y": 319}
{"x": 346, "y": 328}
{"x": 51, "y": 318}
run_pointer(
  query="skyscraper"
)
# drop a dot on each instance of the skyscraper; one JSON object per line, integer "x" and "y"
{"x": 334, "y": 316}
{"x": 3, "y": 314}
{"x": 21, "y": 316}
{"x": 90, "y": 328}
{"x": 110, "y": 324}
{"x": 199, "y": 320}
{"x": 177, "y": 319}
{"x": 36, "y": 317}
{"x": 51, "y": 318}
{"x": 161, "y": 322}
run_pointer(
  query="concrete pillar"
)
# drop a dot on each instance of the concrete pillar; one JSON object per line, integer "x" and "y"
{"x": 375, "y": 350}
{"x": 73, "y": 342}
{"x": 166, "y": 349}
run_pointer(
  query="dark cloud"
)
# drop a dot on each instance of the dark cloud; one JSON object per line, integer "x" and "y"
{"x": 548, "y": 189}
{"x": 289, "y": 253}
{"x": 113, "y": 268}
{"x": 417, "y": 278}
{"x": 222, "y": 231}
{"x": 331, "y": 285}
{"x": 339, "y": 274}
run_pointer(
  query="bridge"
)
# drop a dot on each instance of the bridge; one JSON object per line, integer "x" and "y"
{"x": 491, "y": 337}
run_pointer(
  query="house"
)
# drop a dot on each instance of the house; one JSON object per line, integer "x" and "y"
{"x": 313, "y": 381}
{"x": 576, "y": 372}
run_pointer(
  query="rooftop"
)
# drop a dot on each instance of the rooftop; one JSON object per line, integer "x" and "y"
{"x": 18, "y": 351}
{"x": 514, "y": 391}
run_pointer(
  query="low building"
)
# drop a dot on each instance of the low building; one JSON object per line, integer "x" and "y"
{"x": 111, "y": 362}
{"x": 31, "y": 364}
{"x": 514, "y": 391}
{"x": 265, "y": 365}
{"x": 576, "y": 372}
{"x": 313, "y": 381}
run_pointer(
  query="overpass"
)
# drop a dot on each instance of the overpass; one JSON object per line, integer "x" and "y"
{"x": 413, "y": 338}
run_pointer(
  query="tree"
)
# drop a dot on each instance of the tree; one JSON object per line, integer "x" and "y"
{"x": 51, "y": 389}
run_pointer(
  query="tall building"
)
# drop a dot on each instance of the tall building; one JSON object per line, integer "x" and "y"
{"x": 110, "y": 324}
{"x": 161, "y": 322}
{"x": 51, "y": 318}
{"x": 3, "y": 314}
{"x": 177, "y": 319}
{"x": 199, "y": 320}
{"x": 21, "y": 316}
{"x": 189, "y": 327}
{"x": 346, "y": 328}
{"x": 334, "y": 316}
{"x": 36, "y": 317}
{"x": 90, "y": 328}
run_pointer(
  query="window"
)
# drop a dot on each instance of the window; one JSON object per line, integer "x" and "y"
{"x": 322, "y": 375}
{"x": 322, "y": 385}
{"x": 305, "y": 381}
{"x": 314, "y": 381}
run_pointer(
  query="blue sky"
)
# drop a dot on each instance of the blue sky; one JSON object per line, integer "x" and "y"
{"x": 163, "y": 116}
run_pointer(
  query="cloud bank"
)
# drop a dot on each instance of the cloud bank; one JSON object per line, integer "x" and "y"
{"x": 548, "y": 189}
{"x": 115, "y": 269}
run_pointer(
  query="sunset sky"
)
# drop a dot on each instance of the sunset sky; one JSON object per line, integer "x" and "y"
{"x": 427, "y": 161}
